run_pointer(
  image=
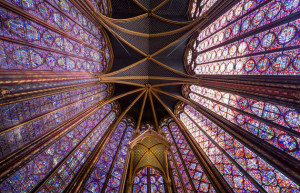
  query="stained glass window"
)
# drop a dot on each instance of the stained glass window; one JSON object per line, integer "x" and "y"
{"x": 52, "y": 36}
{"x": 253, "y": 116}
{"x": 148, "y": 180}
{"x": 32, "y": 119}
{"x": 231, "y": 45}
{"x": 67, "y": 153}
{"x": 199, "y": 7}
{"x": 112, "y": 161}
{"x": 224, "y": 149}
{"x": 102, "y": 5}
{"x": 185, "y": 160}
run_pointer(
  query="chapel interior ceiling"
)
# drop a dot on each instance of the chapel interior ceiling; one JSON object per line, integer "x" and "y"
{"x": 148, "y": 39}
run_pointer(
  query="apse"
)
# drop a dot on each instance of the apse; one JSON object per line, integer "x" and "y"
{"x": 149, "y": 96}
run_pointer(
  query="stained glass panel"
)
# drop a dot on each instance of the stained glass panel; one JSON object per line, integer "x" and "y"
{"x": 262, "y": 172}
{"x": 190, "y": 169}
{"x": 48, "y": 112}
{"x": 148, "y": 178}
{"x": 56, "y": 154}
{"x": 253, "y": 116}
{"x": 112, "y": 161}
{"x": 52, "y": 36}
{"x": 252, "y": 52}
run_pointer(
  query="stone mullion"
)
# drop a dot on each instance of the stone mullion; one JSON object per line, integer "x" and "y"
{"x": 25, "y": 43}
{"x": 172, "y": 181}
{"x": 178, "y": 171}
{"x": 123, "y": 178}
{"x": 45, "y": 114}
{"x": 23, "y": 13}
{"x": 261, "y": 189}
{"x": 277, "y": 94}
{"x": 148, "y": 181}
{"x": 213, "y": 174}
{"x": 54, "y": 170}
{"x": 17, "y": 159}
{"x": 278, "y": 159}
{"x": 280, "y": 127}
{"x": 182, "y": 160}
{"x": 108, "y": 176}
{"x": 29, "y": 95}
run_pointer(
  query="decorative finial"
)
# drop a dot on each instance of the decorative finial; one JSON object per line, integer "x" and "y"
{"x": 4, "y": 92}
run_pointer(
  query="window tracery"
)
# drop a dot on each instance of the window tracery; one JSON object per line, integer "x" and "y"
{"x": 59, "y": 38}
{"x": 37, "y": 121}
{"x": 191, "y": 171}
{"x": 250, "y": 114}
{"x": 236, "y": 44}
{"x": 68, "y": 153}
{"x": 148, "y": 178}
{"x": 214, "y": 140}
{"x": 102, "y": 5}
{"x": 112, "y": 161}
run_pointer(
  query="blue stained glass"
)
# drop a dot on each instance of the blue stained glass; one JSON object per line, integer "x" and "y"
{"x": 292, "y": 118}
{"x": 260, "y": 170}
{"x": 148, "y": 177}
{"x": 28, "y": 4}
{"x": 121, "y": 136}
{"x": 236, "y": 29}
{"x": 68, "y": 45}
{"x": 290, "y": 5}
{"x": 240, "y": 119}
{"x": 287, "y": 34}
{"x": 258, "y": 18}
{"x": 268, "y": 40}
{"x": 44, "y": 10}
{"x": 60, "y": 42}
{"x": 249, "y": 65}
{"x": 17, "y": 26}
{"x": 70, "y": 64}
{"x": 263, "y": 64}
{"x": 273, "y": 10}
{"x": 284, "y": 35}
{"x": 22, "y": 57}
{"x": 51, "y": 61}
{"x": 36, "y": 59}
{"x": 281, "y": 62}
{"x": 40, "y": 166}
{"x": 248, "y": 5}
{"x": 296, "y": 62}
{"x": 253, "y": 45}
{"x": 266, "y": 132}
{"x": 32, "y": 32}
{"x": 62, "y": 62}
{"x": 48, "y": 39}
{"x": 63, "y": 5}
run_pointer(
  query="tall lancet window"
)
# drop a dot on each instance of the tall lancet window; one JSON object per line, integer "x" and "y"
{"x": 148, "y": 180}
{"x": 242, "y": 168}
{"x": 187, "y": 171}
{"x": 271, "y": 123}
{"x": 108, "y": 173}
{"x": 251, "y": 38}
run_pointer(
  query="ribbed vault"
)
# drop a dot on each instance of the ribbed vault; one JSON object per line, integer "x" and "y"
{"x": 136, "y": 66}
